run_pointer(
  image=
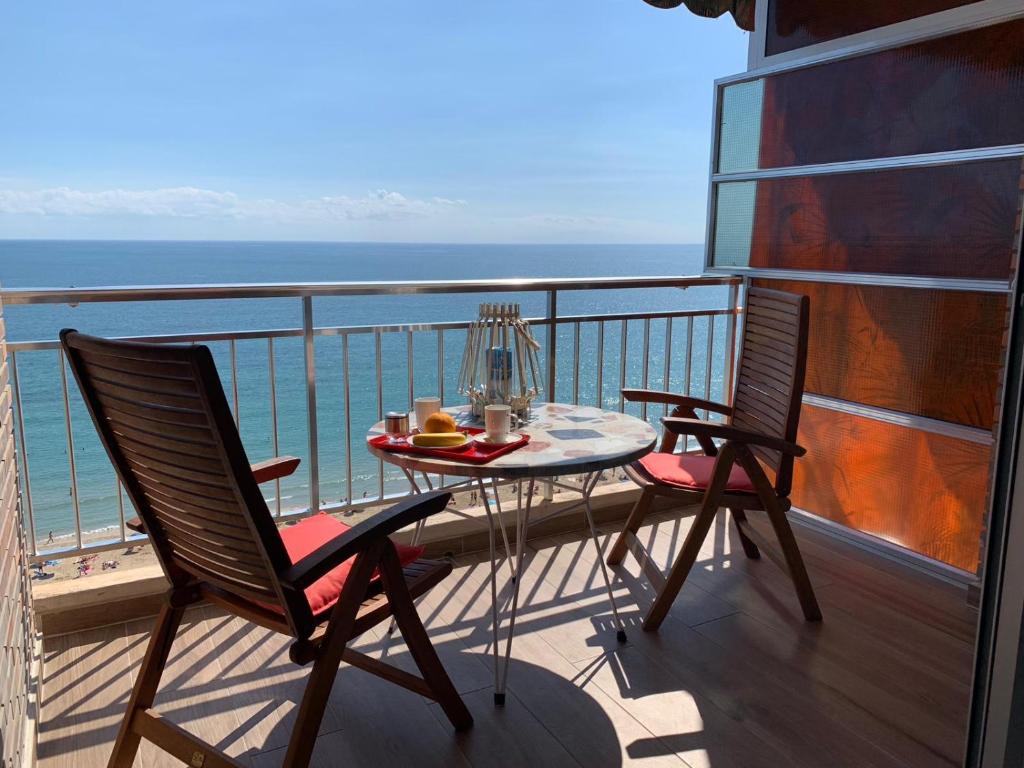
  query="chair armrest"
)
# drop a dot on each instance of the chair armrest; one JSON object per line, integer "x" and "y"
{"x": 359, "y": 537}
{"x": 671, "y": 398}
{"x": 263, "y": 472}
{"x": 274, "y": 469}
{"x": 732, "y": 434}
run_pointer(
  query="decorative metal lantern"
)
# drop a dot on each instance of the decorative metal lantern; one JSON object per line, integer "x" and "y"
{"x": 501, "y": 364}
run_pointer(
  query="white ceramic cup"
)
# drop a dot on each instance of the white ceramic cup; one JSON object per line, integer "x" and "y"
{"x": 497, "y": 422}
{"x": 425, "y": 407}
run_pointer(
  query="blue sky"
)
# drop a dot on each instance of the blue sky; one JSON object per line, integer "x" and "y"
{"x": 403, "y": 120}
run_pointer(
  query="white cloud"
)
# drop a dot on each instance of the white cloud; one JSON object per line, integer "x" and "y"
{"x": 192, "y": 203}
{"x": 189, "y": 212}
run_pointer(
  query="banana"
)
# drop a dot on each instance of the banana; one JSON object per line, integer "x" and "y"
{"x": 439, "y": 439}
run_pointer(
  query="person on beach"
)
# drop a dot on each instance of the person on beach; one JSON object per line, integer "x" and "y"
{"x": 49, "y": 539}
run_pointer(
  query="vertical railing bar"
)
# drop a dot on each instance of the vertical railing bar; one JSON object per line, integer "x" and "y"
{"x": 408, "y": 365}
{"x": 668, "y": 362}
{"x": 71, "y": 450}
{"x": 622, "y": 366}
{"x": 707, "y": 361}
{"x": 275, "y": 441}
{"x": 440, "y": 378}
{"x": 730, "y": 351}
{"x": 689, "y": 352}
{"x": 234, "y": 379}
{"x": 314, "y": 437}
{"x": 547, "y": 490}
{"x": 27, "y": 484}
{"x": 378, "y": 363}
{"x": 348, "y": 416}
{"x": 600, "y": 364}
{"x": 120, "y": 509}
{"x": 552, "y": 343}
{"x": 440, "y": 365}
{"x": 689, "y": 365}
{"x": 645, "y": 376}
{"x": 576, "y": 365}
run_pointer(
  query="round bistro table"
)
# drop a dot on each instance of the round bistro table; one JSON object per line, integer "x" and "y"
{"x": 564, "y": 440}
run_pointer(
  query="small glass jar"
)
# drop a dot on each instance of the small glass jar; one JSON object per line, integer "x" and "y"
{"x": 396, "y": 426}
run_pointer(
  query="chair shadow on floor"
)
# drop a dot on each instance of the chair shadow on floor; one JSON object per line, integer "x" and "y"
{"x": 233, "y": 682}
{"x": 245, "y": 706}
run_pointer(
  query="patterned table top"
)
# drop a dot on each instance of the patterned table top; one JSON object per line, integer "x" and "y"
{"x": 564, "y": 440}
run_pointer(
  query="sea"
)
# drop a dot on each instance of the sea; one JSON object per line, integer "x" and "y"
{"x": 61, "y": 264}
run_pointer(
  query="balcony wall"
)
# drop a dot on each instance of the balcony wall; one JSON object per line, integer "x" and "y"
{"x": 886, "y": 186}
{"x": 16, "y": 636}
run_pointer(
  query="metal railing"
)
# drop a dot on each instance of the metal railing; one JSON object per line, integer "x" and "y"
{"x": 551, "y": 323}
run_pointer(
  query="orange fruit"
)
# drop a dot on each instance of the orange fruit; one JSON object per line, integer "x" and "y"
{"x": 439, "y": 422}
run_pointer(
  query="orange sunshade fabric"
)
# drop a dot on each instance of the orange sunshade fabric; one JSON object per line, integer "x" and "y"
{"x": 933, "y": 353}
{"x": 923, "y": 491}
{"x": 796, "y": 24}
{"x": 963, "y": 91}
{"x": 941, "y": 221}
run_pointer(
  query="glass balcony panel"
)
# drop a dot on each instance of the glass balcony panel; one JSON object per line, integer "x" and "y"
{"x": 740, "y": 139}
{"x": 963, "y": 91}
{"x": 796, "y": 24}
{"x": 923, "y": 491}
{"x": 933, "y": 353}
{"x": 942, "y": 221}
{"x": 734, "y": 223}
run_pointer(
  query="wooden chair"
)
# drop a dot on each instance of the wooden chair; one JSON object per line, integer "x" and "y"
{"x": 162, "y": 416}
{"x": 759, "y": 440}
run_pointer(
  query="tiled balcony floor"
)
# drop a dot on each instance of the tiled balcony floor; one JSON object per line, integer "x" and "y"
{"x": 734, "y": 678}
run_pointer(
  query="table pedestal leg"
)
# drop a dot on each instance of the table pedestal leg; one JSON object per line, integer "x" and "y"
{"x": 499, "y": 700}
{"x": 499, "y": 695}
{"x": 501, "y": 520}
{"x": 589, "y": 483}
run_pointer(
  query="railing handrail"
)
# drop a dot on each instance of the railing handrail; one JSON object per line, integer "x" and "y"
{"x": 14, "y": 296}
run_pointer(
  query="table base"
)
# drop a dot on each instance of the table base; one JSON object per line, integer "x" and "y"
{"x": 495, "y": 520}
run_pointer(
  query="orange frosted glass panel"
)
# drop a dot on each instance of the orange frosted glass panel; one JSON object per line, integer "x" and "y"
{"x": 963, "y": 91}
{"x": 927, "y": 352}
{"x": 796, "y": 24}
{"x": 922, "y": 491}
{"x": 940, "y": 221}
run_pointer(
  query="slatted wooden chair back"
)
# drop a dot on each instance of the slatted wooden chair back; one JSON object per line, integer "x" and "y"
{"x": 770, "y": 379}
{"x": 165, "y": 423}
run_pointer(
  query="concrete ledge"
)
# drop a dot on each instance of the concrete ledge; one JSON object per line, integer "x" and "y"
{"x": 118, "y": 596}
{"x": 105, "y": 598}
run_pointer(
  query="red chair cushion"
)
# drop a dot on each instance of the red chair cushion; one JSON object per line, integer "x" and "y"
{"x": 691, "y": 472}
{"x": 308, "y": 535}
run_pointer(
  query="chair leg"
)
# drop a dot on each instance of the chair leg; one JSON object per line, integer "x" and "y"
{"x": 684, "y": 562}
{"x": 147, "y": 683}
{"x": 633, "y": 523}
{"x": 739, "y": 518}
{"x": 330, "y": 651}
{"x": 420, "y": 647}
{"x": 794, "y": 562}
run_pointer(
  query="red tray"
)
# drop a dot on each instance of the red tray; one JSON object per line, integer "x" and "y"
{"x": 479, "y": 453}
